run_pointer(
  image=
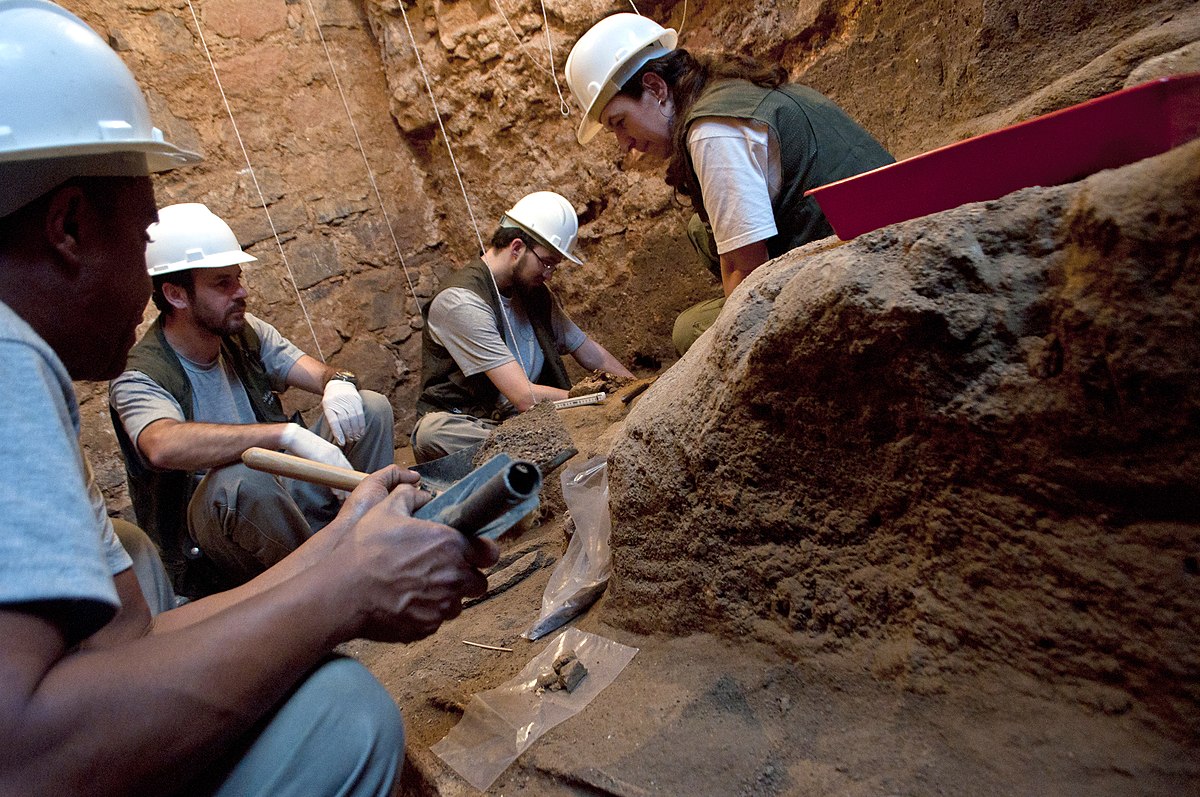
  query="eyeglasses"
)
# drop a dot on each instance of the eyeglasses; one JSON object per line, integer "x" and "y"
{"x": 551, "y": 266}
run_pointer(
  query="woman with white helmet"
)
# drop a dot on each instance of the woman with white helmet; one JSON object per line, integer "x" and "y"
{"x": 740, "y": 141}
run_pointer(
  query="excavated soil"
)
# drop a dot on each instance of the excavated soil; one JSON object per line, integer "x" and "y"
{"x": 537, "y": 435}
{"x": 598, "y": 382}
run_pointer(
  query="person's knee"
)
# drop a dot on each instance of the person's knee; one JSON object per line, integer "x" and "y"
{"x": 135, "y": 541}
{"x": 236, "y": 491}
{"x": 377, "y": 409}
{"x": 694, "y": 321}
{"x": 338, "y": 732}
{"x": 236, "y": 482}
{"x": 147, "y": 566}
{"x": 424, "y": 439}
{"x": 245, "y": 520}
{"x": 685, "y": 332}
{"x": 361, "y": 723}
{"x": 354, "y": 691}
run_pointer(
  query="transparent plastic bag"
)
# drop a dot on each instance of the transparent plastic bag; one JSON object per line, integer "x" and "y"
{"x": 582, "y": 575}
{"x": 500, "y": 724}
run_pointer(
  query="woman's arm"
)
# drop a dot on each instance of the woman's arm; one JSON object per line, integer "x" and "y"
{"x": 736, "y": 265}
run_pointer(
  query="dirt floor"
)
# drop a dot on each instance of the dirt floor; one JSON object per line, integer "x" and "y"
{"x": 698, "y": 714}
{"x": 701, "y": 715}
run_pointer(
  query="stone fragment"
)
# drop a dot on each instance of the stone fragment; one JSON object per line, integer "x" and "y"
{"x": 118, "y": 41}
{"x": 563, "y": 676}
{"x": 571, "y": 673}
{"x": 598, "y": 382}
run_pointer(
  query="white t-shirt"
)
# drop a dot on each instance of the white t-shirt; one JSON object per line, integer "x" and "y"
{"x": 465, "y": 325}
{"x": 217, "y": 394}
{"x": 738, "y": 166}
{"x": 56, "y": 541}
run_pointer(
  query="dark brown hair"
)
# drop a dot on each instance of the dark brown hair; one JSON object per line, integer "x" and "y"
{"x": 503, "y": 236}
{"x": 185, "y": 279}
{"x": 686, "y": 76}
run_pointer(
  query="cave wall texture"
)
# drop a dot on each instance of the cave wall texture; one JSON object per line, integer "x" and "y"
{"x": 918, "y": 73}
{"x": 962, "y": 441}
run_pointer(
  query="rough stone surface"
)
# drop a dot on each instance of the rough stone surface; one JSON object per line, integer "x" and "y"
{"x": 966, "y": 439}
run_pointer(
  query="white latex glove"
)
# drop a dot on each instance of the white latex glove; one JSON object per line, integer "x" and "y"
{"x": 303, "y": 443}
{"x": 343, "y": 410}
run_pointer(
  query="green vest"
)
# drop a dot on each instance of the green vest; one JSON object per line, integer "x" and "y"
{"x": 160, "y": 498}
{"x": 444, "y": 388}
{"x": 818, "y": 144}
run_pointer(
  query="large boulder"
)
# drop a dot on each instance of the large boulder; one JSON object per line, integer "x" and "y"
{"x": 967, "y": 440}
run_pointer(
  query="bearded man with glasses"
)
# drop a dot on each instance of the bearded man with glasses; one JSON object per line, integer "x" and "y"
{"x": 495, "y": 335}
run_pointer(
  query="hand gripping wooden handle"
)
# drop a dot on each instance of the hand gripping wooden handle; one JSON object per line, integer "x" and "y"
{"x": 294, "y": 467}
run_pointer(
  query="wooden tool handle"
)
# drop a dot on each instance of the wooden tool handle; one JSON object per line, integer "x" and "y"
{"x": 307, "y": 470}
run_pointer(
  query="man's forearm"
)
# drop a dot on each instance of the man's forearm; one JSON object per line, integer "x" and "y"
{"x": 594, "y": 357}
{"x": 309, "y": 373}
{"x": 183, "y": 445}
{"x": 165, "y": 706}
{"x": 510, "y": 379}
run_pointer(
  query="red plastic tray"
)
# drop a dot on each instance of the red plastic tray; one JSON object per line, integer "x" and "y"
{"x": 1060, "y": 147}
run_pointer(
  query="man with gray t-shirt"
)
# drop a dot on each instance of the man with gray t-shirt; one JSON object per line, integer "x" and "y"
{"x": 200, "y": 388}
{"x": 495, "y": 335}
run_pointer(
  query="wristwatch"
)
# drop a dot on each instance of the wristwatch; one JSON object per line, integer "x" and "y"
{"x": 345, "y": 376}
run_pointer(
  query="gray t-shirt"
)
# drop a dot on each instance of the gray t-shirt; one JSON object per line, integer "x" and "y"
{"x": 465, "y": 325}
{"x": 56, "y": 541}
{"x": 217, "y": 393}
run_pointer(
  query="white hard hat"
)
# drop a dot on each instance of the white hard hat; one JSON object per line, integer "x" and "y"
{"x": 549, "y": 218}
{"x": 69, "y": 107}
{"x": 189, "y": 235}
{"x": 606, "y": 57}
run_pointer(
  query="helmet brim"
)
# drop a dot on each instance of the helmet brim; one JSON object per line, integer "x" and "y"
{"x": 160, "y": 156}
{"x": 219, "y": 260}
{"x": 510, "y": 221}
{"x": 620, "y": 72}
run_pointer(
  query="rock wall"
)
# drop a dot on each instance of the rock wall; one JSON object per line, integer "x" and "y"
{"x": 919, "y": 73}
{"x": 325, "y": 236}
{"x": 964, "y": 440}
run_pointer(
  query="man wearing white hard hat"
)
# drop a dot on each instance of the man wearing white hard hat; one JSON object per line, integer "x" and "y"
{"x": 235, "y": 694}
{"x": 495, "y": 335}
{"x": 201, "y": 388}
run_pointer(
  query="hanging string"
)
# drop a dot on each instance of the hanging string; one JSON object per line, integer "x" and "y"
{"x": 436, "y": 115}
{"x": 521, "y": 44}
{"x": 254, "y": 178}
{"x": 362, "y": 151}
{"x": 681, "y": 24}
{"x": 563, "y": 107}
{"x": 515, "y": 347}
